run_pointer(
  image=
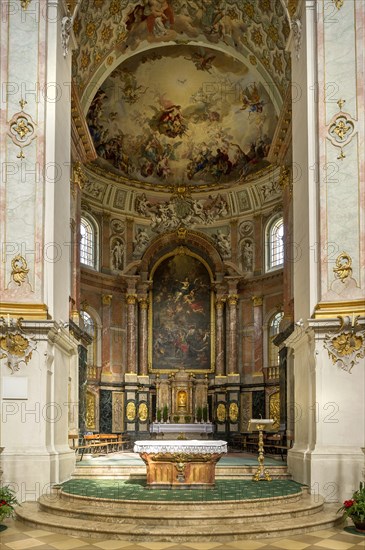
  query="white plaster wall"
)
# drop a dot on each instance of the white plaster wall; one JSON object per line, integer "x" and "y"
{"x": 57, "y": 233}
{"x": 34, "y": 430}
{"x": 305, "y": 268}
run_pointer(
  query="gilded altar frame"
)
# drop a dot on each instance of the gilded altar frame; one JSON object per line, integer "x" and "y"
{"x": 182, "y": 250}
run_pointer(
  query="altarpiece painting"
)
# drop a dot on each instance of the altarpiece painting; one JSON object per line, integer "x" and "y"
{"x": 181, "y": 315}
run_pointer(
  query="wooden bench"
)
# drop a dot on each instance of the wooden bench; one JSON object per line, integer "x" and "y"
{"x": 104, "y": 443}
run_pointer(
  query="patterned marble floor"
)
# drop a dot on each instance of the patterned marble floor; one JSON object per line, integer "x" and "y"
{"x": 22, "y": 537}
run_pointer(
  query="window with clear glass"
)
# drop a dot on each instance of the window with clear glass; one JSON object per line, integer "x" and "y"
{"x": 274, "y": 329}
{"x": 275, "y": 244}
{"x": 87, "y": 243}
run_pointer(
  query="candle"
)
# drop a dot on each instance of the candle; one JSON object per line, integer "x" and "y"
{"x": 8, "y": 320}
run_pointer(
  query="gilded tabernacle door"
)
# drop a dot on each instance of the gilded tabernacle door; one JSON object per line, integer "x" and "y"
{"x": 181, "y": 314}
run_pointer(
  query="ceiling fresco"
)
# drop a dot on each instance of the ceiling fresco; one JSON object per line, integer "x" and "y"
{"x": 182, "y": 115}
{"x": 108, "y": 29}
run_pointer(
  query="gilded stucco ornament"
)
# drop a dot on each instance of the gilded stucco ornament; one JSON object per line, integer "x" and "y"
{"x": 19, "y": 269}
{"x": 347, "y": 347}
{"x": 143, "y": 412}
{"x": 15, "y": 346}
{"x": 79, "y": 178}
{"x": 343, "y": 268}
{"x": 131, "y": 411}
{"x": 233, "y": 412}
{"x": 24, "y": 4}
{"x": 22, "y": 129}
{"x": 221, "y": 412}
{"x": 341, "y": 129}
{"x": 90, "y": 410}
{"x": 338, "y": 3}
{"x": 274, "y": 409}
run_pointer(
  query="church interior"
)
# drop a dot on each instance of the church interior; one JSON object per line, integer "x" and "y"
{"x": 183, "y": 264}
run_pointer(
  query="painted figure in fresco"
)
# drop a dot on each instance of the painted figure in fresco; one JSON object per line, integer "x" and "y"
{"x": 158, "y": 15}
{"x": 251, "y": 99}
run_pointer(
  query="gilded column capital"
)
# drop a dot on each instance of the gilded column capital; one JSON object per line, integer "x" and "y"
{"x": 219, "y": 302}
{"x": 233, "y": 299}
{"x": 131, "y": 299}
{"x": 257, "y": 301}
{"x": 106, "y": 299}
{"x": 143, "y": 303}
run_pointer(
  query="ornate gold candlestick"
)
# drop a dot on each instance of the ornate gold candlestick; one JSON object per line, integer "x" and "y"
{"x": 258, "y": 425}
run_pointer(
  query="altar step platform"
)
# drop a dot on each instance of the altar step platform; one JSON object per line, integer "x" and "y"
{"x": 127, "y": 510}
{"x": 131, "y": 466}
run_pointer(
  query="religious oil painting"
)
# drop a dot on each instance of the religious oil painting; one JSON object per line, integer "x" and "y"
{"x": 181, "y": 316}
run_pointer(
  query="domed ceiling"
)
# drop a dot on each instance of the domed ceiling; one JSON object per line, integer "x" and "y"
{"x": 182, "y": 115}
{"x": 185, "y": 92}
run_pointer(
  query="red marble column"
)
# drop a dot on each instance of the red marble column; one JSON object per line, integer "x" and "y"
{"x": 219, "y": 342}
{"x": 106, "y": 300}
{"x": 143, "y": 336}
{"x": 258, "y": 336}
{"x": 232, "y": 334}
{"x": 131, "y": 334}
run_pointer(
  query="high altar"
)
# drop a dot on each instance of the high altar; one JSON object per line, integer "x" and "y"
{"x": 180, "y": 464}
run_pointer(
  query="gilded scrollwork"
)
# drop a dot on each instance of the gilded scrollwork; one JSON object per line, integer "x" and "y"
{"x": 347, "y": 346}
{"x": 79, "y": 178}
{"x": 233, "y": 412}
{"x": 221, "y": 412}
{"x": 19, "y": 269}
{"x": 22, "y": 129}
{"x": 274, "y": 409}
{"x": 341, "y": 130}
{"x": 143, "y": 412}
{"x": 15, "y": 346}
{"x": 90, "y": 410}
{"x": 131, "y": 411}
{"x": 343, "y": 268}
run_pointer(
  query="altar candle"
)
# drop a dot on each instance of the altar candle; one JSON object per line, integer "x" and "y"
{"x": 8, "y": 320}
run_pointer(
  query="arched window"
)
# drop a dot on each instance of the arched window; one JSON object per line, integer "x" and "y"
{"x": 88, "y": 243}
{"x": 90, "y": 328}
{"x": 275, "y": 244}
{"x": 274, "y": 328}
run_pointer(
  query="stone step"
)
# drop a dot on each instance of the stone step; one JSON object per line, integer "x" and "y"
{"x": 139, "y": 472}
{"x": 147, "y": 513}
{"x": 30, "y": 514}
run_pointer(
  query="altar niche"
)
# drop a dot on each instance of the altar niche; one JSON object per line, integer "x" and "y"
{"x": 181, "y": 315}
{"x": 182, "y": 394}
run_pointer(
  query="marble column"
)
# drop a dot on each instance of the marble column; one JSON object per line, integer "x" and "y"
{"x": 257, "y": 303}
{"x": 143, "y": 336}
{"x": 131, "y": 334}
{"x": 219, "y": 342}
{"x": 232, "y": 334}
{"x": 106, "y": 300}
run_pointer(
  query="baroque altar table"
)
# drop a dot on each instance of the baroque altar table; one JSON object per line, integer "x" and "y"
{"x": 180, "y": 464}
